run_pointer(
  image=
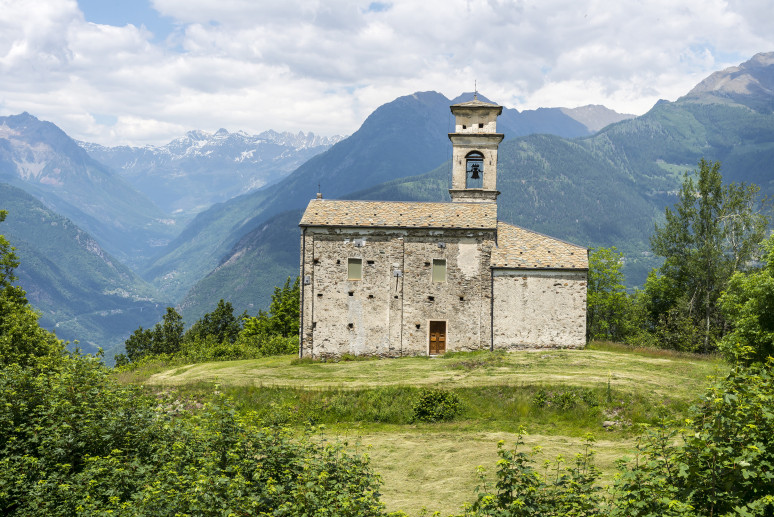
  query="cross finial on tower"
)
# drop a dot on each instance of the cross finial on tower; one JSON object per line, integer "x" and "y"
{"x": 475, "y": 90}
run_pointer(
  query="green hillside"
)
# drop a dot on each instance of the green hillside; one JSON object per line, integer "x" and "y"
{"x": 246, "y": 277}
{"x": 609, "y": 189}
{"x": 82, "y": 291}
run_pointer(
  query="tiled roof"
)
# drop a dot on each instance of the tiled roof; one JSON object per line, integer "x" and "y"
{"x": 524, "y": 249}
{"x": 476, "y": 103}
{"x": 395, "y": 214}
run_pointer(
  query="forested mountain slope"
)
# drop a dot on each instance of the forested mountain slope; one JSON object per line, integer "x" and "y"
{"x": 81, "y": 291}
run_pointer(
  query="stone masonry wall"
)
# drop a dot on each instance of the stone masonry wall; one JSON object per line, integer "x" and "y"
{"x": 539, "y": 309}
{"x": 388, "y": 315}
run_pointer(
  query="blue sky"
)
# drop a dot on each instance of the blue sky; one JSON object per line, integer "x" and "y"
{"x": 146, "y": 71}
{"x": 123, "y": 12}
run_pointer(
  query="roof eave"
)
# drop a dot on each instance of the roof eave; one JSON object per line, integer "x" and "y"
{"x": 517, "y": 268}
{"x": 394, "y": 227}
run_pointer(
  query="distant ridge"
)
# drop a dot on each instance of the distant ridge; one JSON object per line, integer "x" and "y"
{"x": 42, "y": 160}
{"x": 195, "y": 171}
{"x": 595, "y": 116}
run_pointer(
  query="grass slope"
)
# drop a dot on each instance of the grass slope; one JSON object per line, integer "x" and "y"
{"x": 369, "y": 404}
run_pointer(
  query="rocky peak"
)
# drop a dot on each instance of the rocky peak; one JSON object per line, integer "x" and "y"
{"x": 750, "y": 83}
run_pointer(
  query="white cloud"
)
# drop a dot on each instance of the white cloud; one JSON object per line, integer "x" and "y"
{"x": 324, "y": 65}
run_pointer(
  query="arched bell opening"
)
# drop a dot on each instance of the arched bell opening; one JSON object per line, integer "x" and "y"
{"x": 474, "y": 170}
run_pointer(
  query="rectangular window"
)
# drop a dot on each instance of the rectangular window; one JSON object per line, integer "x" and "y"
{"x": 354, "y": 269}
{"x": 439, "y": 270}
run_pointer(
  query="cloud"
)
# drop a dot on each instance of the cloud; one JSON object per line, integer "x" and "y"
{"x": 324, "y": 65}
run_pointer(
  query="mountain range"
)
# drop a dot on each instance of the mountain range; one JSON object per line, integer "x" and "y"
{"x": 41, "y": 159}
{"x": 403, "y": 138}
{"x": 588, "y": 175}
{"x": 199, "y": 169}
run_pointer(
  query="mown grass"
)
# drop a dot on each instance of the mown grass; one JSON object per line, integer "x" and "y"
{"x": 558, "y": 395}
{"x": 658, "y": 373}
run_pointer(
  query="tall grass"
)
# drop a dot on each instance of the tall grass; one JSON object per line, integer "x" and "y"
{"x": 570, "y": 410}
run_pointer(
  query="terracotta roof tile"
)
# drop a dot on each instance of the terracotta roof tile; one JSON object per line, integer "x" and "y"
{"x": 524, "y": 249}
{"x": 394, "y": 214}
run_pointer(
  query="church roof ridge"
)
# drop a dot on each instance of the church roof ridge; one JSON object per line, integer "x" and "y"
{"x": 400, "y": 214}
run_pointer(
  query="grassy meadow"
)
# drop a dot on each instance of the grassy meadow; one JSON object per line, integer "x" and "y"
{"x": 560, "y": 396}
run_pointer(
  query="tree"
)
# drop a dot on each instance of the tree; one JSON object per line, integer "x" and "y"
{"x": 748, "y": 306}
{"x": 712, "y": 231}
{"x": 220, "y": 324}
{"x": 283, "y": 316}
{"x": 139, "y": 344}
{"x": 607, "y": 315}
{"x": 166, "y": 337}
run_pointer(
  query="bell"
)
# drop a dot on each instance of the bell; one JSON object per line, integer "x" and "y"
{"x": 474, "y": 172}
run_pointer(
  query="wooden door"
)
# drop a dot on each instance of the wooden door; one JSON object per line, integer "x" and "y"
{"x": 437, "y": 337}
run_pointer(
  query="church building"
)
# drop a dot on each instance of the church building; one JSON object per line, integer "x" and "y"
{"x": 411, "y": 278}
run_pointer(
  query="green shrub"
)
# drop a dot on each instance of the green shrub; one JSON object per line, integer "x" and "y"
{"x": 565, "y": 398}
{"x": 74, "y": 442}
{"x": 434, "y": 405}
{"x": 522, "y": 490}
{"x": 724, "y": 464}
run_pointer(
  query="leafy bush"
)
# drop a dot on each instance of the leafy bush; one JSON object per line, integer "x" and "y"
{"x": 433, "y": 405}
{"x": 522, "y": 490}
{"x": 73, "y": 442}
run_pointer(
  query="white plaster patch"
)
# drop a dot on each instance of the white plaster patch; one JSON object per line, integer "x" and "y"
{"x": 467, "y": 257}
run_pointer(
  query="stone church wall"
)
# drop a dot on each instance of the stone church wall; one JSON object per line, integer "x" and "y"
{"x": 387, "y": 312}
{"x": 539, "y": 309}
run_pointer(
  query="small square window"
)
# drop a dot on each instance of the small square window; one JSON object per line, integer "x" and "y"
{"x": 480, "y": 125}
{"x": 354, "y": 269}
{"x": 439, "y": 270}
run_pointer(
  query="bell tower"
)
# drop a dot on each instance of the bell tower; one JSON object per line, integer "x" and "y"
{"x": 474, "y": 151}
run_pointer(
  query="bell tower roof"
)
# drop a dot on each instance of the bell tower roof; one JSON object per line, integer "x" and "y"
{"x": 476, "y": 103}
